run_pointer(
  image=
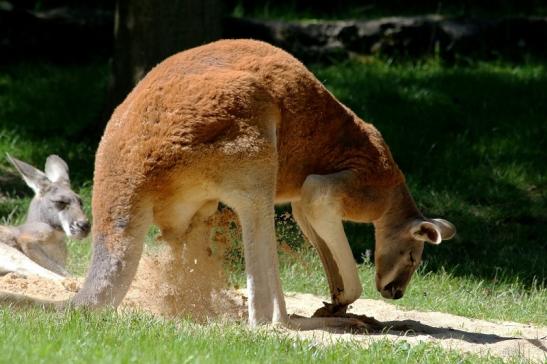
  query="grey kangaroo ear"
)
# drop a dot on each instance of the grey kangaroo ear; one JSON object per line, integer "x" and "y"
{"x": 57, "y": 169}
{"x": 34, "y": 178}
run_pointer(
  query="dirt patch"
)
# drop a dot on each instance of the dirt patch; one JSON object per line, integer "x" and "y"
{"x": 40, "y": 287}
{"x": 189, "y": 280}
{"x": 505, "y": 339}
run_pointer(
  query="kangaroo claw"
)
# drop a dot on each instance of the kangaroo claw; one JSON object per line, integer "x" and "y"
{"x": 333, "y": 310}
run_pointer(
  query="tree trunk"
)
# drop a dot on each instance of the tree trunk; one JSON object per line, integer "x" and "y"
{"x": 148, "y": 31}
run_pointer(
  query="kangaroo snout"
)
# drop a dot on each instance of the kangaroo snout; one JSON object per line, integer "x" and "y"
{"x": 80, "y": 229}
{"x": 395, "y": 286}
{"x": 391, "y": 291}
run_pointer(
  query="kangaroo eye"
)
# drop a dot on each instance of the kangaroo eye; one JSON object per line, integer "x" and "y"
{"x": 412, "y": 258}
{"x": 61, "y": 205}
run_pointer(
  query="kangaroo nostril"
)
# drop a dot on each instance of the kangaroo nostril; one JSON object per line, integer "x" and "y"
{"x": 389, "y": 287}
{"x": 83, "y": 225}
{"x": 398, "y": 294}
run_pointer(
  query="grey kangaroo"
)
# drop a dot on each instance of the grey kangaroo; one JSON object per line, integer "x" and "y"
{"x": 54, "y": 213}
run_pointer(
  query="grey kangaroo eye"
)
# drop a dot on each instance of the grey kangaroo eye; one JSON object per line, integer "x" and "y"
{"x": 61, "y": 205}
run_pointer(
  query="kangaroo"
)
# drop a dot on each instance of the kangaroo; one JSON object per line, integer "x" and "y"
{"x": 54, "y": 213}
{"x": 245, "y": 123}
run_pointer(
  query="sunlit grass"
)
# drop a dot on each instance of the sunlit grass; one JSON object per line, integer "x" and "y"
{"x": 82, "y": 337}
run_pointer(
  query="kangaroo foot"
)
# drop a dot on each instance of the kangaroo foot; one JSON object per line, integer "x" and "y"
{"x": 336, "y": 310}
{"x": 331, "y": 324}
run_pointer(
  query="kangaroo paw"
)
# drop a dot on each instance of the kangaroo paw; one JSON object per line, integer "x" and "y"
{"x": 340, "y": 311}
{"x": 331, "y": 310}
{"x": 334, "y": 324}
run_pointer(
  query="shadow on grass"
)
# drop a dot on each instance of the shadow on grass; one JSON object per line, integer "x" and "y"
{"x": 42, "y": 109}
{"x": 472, "y": 142}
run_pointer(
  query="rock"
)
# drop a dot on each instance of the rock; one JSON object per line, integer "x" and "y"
{"x": 401, "y": 36}
{"x": 65, "y": 34}
{"x": 311, "y": 41}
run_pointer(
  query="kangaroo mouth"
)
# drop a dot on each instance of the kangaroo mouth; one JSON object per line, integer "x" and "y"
{"x": 79, "y": 229}
{"x": 392, "y": 291}
{"x": 78, "y": 233}
{"x": 396, "y": 289}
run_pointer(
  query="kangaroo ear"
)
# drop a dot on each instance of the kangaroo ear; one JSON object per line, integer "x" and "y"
{"x": 426, "y": 231}
{"x": 57, "y": 169}
{"x": 432, "y": 231}
{"x": 448, "y": 230}
{"x": 34, "y": 178}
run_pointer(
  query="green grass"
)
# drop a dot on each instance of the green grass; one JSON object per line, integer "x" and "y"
{"x": 471, "y": 140}
{"x": 80, "y": 337}
{"x": 43, "y": 108}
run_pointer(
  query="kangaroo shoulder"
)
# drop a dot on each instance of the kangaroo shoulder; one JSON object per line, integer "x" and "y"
{"x": 37, "y": 232}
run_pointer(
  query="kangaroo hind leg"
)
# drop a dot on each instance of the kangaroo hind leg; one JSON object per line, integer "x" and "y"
{"x": 256, "y": 214}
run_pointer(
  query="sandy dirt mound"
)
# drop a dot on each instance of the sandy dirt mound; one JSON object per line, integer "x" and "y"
{"x": 188, "y": 280}
{"x": 39, "y": 287}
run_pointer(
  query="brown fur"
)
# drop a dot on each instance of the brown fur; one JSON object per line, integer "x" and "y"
{"x": 206, "y": 95}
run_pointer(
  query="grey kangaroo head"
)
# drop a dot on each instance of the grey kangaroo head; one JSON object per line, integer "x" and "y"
{"x": 54, "y": 202}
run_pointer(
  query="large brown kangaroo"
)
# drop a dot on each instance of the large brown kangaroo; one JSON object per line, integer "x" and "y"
{"x": 245, "y": 123}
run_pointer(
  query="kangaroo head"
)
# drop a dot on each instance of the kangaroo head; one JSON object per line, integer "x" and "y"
{"x": 54, "y": 202}
{"x": 400, "y": 239}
